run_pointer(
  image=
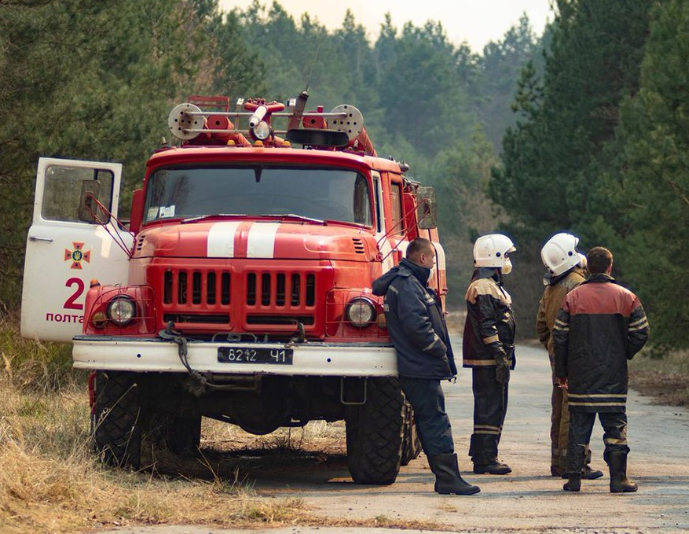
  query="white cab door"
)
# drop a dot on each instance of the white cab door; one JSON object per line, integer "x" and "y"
{"x": 63, "y": 254}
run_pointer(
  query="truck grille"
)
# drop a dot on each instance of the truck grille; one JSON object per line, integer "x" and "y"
{"x": 183, "y": 287}
{"x": 277, "y": 289}
{"x": 206, "y": 300}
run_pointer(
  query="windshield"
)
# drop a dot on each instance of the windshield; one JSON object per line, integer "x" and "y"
{"x": 316, "y": 193}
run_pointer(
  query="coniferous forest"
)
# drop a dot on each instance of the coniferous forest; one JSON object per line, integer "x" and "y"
{"x": 582, "y": 129}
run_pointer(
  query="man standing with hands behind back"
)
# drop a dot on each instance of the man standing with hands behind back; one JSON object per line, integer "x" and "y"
{"x": 424, "y": 357}
{"x": 600, "y": 326}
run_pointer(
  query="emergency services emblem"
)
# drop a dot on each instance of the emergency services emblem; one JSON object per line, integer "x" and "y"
{"x": 77, "y": 255}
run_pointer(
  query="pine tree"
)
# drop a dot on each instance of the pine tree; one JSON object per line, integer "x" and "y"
{"x": 651, "y": 187}
{"x": 93, "y": 80}
{"x": 552, "y": 157}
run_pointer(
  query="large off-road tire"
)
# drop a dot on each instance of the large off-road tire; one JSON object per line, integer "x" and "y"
{"x": 411, "y": 444}
{"x": 118, "y": 420}
{"x": 374, "y": 433}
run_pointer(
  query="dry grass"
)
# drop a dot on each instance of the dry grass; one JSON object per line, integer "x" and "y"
{"x": 664, "y": 376}
{"x": 51, "y": 482}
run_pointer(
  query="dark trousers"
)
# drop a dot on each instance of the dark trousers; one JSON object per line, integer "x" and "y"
{"x": 490, "y": 408}
{"x": 432, "y": 423}
{"x": 559, "y": 430}
{"x": 580, "y": 428}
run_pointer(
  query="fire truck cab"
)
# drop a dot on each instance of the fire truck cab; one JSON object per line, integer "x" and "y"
{"x": 240, "y": 289}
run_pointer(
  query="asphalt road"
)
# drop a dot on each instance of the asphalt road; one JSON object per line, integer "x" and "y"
{"x": 528, "y": 499}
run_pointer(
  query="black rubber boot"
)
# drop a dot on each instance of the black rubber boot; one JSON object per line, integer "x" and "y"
{"x": 574, "y": 483}
{"x": 447, "y": 477}
{"x": 590, "y": 474}
{"x": 587, "y": 473}
{"x": 493, "y": 467}
{"x": 619, "y": 483}
{"x": 484, "y": 455}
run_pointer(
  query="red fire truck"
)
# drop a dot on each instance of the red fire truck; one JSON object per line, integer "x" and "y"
{"x": 239, "y": 290}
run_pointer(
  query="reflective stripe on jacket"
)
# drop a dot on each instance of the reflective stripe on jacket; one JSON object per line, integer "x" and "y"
{"x": 600, "y": 326}
{"x": 489, "y": 328}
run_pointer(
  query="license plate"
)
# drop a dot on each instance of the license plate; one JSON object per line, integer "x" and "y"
{"x": 255, "y": 355}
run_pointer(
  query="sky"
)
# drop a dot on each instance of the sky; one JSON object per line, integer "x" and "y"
{"x": 475, "y": 21}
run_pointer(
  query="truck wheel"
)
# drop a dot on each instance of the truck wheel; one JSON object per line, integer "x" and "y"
{"x": 411, "y": 444}
{"x": 374, "y": 433}
{"x": 118, "y": 418}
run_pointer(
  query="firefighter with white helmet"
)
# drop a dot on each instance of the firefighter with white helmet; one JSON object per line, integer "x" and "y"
{"x": 565, "y": 270}
{"x": 488, "y": 348}
{"x": 560, "y": 254}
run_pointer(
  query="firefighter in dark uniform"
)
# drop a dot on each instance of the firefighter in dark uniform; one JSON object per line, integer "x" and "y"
{"x": 417, "y": 329}
{"x": 601, "y": 325}
{"x": 566, "y": 269}
{"x": 488, "y": 348}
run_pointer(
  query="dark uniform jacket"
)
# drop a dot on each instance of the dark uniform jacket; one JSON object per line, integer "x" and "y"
{"x": 416, "y": 323}
{"x": 489, "y": 328}
{"x": 600, "y": 326}
{"x": 556, "y": 289}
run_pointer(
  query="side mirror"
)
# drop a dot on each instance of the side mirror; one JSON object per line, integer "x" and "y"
{"x": 136, "y": 216}
{"x": 426, "y": 208}
{"x": 90, "y": 210}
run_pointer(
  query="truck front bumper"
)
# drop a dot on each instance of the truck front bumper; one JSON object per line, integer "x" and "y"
{"x": 156, "y": 355}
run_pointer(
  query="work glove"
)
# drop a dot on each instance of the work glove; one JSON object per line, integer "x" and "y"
{"x": 502, "y": 370}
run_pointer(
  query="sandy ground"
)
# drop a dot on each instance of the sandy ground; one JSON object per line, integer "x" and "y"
{"x": 527, "y": 500}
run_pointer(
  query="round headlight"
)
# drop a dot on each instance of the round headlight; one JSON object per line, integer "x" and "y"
{"x": 360, "y": 312}
{"x": 99, "y": 319}
{"x": 121, "y": 310}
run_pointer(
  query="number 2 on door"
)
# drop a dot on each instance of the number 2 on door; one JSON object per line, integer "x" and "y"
{"x": 70, "y": 303}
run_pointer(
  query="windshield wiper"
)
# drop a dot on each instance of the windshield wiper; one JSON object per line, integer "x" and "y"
{"x": 274, "y": 215}
{"x": 349, "y": 223}
{"x": 294, "y": 216}
{"x": 216, "y": 215}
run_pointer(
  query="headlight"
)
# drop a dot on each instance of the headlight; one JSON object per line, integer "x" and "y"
{"x": 99, "y": 319}
{"x": 121, "y": 310}
{"x": 360, "y": 312}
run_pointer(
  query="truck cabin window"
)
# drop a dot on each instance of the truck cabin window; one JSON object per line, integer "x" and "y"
{"x": 316, "y": 193}
{"x": 396, "y": 204}
{"x": 62, "y": 191}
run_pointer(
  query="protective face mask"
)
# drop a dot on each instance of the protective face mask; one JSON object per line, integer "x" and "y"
{"x": 507, "y": 268}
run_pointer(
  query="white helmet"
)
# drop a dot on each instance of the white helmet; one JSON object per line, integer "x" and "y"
{"x": 560, "y": 253}
{"x": 491, "y": 251}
